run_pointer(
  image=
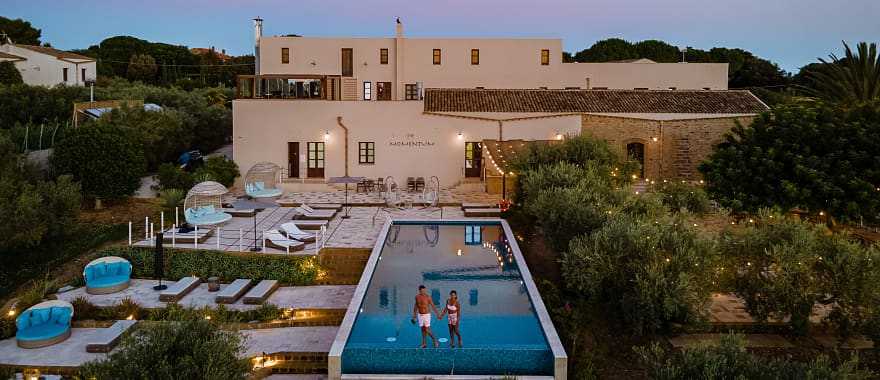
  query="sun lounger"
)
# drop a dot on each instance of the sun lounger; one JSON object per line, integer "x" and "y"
{"x": 240, "y": 212}
{"x": 310, "y": 224}
{"x": 292, "y": 231}
{"x": 307, "y": 212}
{"x": 482, "y": 212}
{"x": 233, "y": 291}
{"x": 180, "y": 289}
{"x": 326, "y": 206}
{"x": 109, "y": 337}
{"x": 465, "y": 206}
{"x": 260, "y": 293}
{"x": 275, "y": 239}
{"x": 187, "y": 237}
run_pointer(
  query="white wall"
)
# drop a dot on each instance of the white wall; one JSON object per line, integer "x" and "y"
{"x": 262, "y": 128}
{"x": 47, "y": 70}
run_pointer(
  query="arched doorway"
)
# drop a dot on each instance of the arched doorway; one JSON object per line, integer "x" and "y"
{"x": 635, "y": 151}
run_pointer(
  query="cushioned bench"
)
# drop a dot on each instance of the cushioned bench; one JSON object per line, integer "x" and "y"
{"x": 259, "y": 190}
{"x": 233, "y": 291}
{"x": 107, "y": 275}
{"x": 44, "y": 324}
{"x": 110, "y": 337}
{"x": 179, "y": 289}
{"x": 205, "y": 216}
{"x": 310, "y": 224}
{"x": 482, "y": 212}
{"x": 260, "y": 293}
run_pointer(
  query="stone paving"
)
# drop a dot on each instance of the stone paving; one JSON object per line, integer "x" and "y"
{"x": 289, "y": 339}
{"x": 730, "y": 309}
{"x": 294, "y": 297}
{"x": 751, "y": 340}
{"x": 358, "y": 231}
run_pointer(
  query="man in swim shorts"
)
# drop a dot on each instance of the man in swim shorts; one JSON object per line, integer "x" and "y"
{"x": 422, "y": 313}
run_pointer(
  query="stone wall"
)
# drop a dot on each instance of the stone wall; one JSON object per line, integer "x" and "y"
{"x": 673, "y": 148}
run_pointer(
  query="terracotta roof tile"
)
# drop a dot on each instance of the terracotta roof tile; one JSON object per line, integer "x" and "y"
{"x": 61, "y": 54}
{"x": 592, "y": 101}
{"x": 11, "y": 56}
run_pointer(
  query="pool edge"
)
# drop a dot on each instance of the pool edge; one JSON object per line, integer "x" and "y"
{"x": 334, "y": 358}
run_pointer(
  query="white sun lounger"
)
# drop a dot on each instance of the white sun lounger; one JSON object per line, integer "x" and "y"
{"x": 275, "y": 239}
{"x": 310, "y": 224}
{"x": 307, "y": 212}
{"x": 179, "y": 289}
{"x": 260, "y": 293}
{"x": 233, "y": 291}
{"x": 292, "y": 231}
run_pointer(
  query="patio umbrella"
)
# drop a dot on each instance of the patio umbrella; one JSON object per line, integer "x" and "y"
{"x": 346, "y": 180}
{"x": 248, "y": 202}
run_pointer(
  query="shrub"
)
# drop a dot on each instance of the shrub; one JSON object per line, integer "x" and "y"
{"x": 678, "y": 196}
{"x": 221, "y": 314}
{"x": 228, "y": 266}
{"x": 108, "y": 162}
{"x": 786, "y": 267}
{"x": 650, "y": 273}
{"x": 84, "y": 310}
{"x": 219, "y": 169}
{"x": 190, "y": 349}
{"x": 35, "y": 294}
{"x": 9, "y": 74}
{"x": 172, "y": 198}
{"x": 171, "y": 176}
{"x": 7, "y": 328}
{"x": 730, "y": 360}
{"x": 162, "y": 134}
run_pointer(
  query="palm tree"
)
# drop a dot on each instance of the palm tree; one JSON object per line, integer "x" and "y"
{"x": 854, "y": 78}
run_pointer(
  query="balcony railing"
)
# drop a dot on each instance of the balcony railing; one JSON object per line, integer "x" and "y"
{"x": 285, "y": 87}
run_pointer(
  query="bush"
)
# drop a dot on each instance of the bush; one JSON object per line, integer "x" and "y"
{"x": 193, "y": 349}
{"x": 650, "y": 273}
{"x": 171, "y": 176}
{"x": 172, "y": 198}
{"x": 678, "y": 196}
{"x": 730, "y": 360}
{"x": 228, "y": 266}
{"x": 219, "y": 169}
{"x": 109, "y": 163}
{"x": 162, "y": 134}
{"x": 9, "y": 74}
{"x": 785, "y": 267}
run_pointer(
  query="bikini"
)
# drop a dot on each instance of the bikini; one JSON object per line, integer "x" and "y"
{"x": 452, "y": 317}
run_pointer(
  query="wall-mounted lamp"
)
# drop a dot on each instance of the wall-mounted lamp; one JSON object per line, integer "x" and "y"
{"x": 558, "y": 135}
{"x": 327, "y": 135}
{"x": 460, "y": 135}
{"x": 654, "y": 139}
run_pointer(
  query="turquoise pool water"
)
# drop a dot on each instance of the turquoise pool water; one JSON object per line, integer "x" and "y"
{"x": 499, "y": 328}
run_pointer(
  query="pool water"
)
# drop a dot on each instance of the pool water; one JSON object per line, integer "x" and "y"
{"x": 500, "y": 331}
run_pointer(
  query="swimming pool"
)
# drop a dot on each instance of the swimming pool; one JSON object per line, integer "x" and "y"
{"x": 500, "y": 324}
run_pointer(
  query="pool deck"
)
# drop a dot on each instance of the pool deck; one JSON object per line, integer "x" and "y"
{"x": 288, "y": 297}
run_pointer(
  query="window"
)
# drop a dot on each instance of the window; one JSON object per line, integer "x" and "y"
{"x": 641, "y": 89}
{"x": 545, "y": 57}
{"x": 84, "y": 75}
{"x": 285, "y": 55}
{"x": 383, "y": 56}
{"x": 436, "y": 56}
{"x": 412, "y": 91}
{"x": 475, "y": 56}
{"x": 367, "y": 152}
{"x": 473, "y": 235}
{"x": 64, "y": 74}
{"x": 368, "y": 91}
{"x": 315, "y": 160}
{"x": 347, "y": 62}
{"x": 383, "y": 90}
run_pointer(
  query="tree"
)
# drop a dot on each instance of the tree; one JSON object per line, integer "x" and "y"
{"x": 162, "y": 134}
{"x": 219, "y": 169}
{"x": 808, "y": 155}
{"x": 9, "y": 73}
{"x": 855, "y": 78}
{"x": 786, "y": 267}
{"x": 190, "y": 349}
{"x": 142, "y": 67}
{"x": 649, "y": 272}
{"x": 108, "y": 162}
{"x": 19, "y": 31}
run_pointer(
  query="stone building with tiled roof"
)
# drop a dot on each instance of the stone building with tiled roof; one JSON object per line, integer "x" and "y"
{"x": 421, "y": 107}
{"x": 46, "y": 66}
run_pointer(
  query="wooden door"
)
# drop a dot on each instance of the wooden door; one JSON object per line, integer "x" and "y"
{"x": 383, "y": 90}
{"x": 315, "y": 160}
{"x": 293, "y": 159}
{"x": 473, "y": 159}
{"x": 347, "y": 62}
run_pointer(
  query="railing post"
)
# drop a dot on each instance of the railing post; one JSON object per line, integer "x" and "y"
{"x": 218, "y": 238}
{"x": 176, "y": 217}
{"x": 263, "y": 240}
{"x": 146, "y": 227}
{"x": 129, "y": 233}
{"x": 196, "y": 238}
{"x": 240, "y": 237}
{"x": 162, "y": 221}
{"x": 173, "y": 236}
{"x": 152, "y": 232}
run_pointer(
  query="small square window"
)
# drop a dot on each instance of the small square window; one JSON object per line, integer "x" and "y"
{"x": 367, "y": 152}
{"x": 475, "y": 56}
{"x": 383, "y": 56}
{"x": 436, "y": 56}
{"x": 545, "y": 57}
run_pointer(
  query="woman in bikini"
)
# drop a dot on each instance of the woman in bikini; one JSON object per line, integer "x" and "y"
{"x": 453, "y": 309}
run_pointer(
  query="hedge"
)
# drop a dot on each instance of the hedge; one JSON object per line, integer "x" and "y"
{"x": 228, "y": 266}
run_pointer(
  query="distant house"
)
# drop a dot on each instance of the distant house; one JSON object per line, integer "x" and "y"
{"x": 46, "y": 66}
{"x": 221, "y": 55}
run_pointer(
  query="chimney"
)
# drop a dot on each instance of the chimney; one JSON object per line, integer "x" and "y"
{"x": 258, "y": 33}
{"x": 223, "y": 51}
{"x": 399, "y": 28}
{"x": 212, "y": 49}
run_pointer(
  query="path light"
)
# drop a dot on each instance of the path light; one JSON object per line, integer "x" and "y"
{"x": 459, "y": 252}
{"x": 11, "y": 313}
{"x": 558, "y": 135}
{"x": 654, "y": 139}
{"x": 130, "y": 317}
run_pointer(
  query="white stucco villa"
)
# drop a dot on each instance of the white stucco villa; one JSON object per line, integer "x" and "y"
{"x": 46, "y": 66}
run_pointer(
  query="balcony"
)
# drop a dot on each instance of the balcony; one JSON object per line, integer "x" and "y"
{"x": 293, "y": 87}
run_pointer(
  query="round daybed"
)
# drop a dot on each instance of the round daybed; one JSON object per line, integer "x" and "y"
{"x": 261, "y": 181}
{"x": 44, "y": 324}
{"x": 203, "y": 204}
{"x": 107, "y": 275}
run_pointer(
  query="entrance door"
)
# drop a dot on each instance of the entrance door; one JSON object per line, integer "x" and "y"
{"x": 315, "y": 160}
{"x": 293, "y": 159}
{"x": 473, "y": 159}
{"x": 636, "y": 152}
{"x": 383, "y": 90}
{"x": 347, "y": 62}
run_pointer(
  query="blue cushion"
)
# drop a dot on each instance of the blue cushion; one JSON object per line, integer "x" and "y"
{"x": 260, "y": 186}
{"x": 23, "y": 321}
{"x": 61, "y": 315}
{"x": 40, "y": 316}
{"x": 209, "y": 209}
{"x": 108, "y": 281}
{"x": 41, "y": 332}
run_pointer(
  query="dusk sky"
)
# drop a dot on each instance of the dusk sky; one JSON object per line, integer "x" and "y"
{"x": 791, "y": 33}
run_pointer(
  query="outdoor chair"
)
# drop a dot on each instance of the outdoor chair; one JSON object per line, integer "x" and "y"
{"x": 44, "y": 324}
{"x": 107, "y": 275}
{"x": 294, "y": 232}
{"x": 275, "y": 239}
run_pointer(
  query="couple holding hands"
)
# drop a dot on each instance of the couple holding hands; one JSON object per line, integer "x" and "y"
{"x": 422, "y": 313}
